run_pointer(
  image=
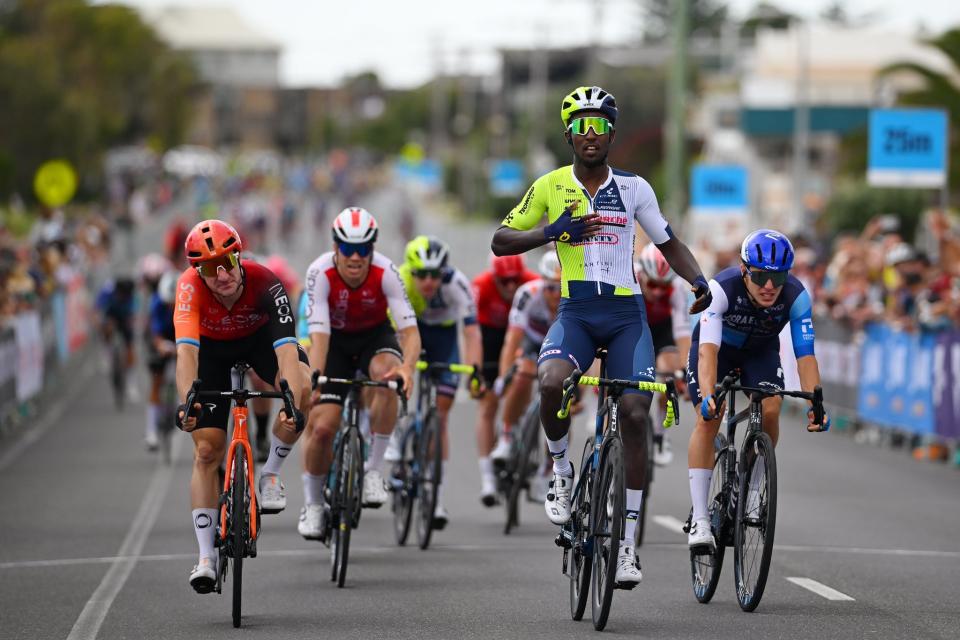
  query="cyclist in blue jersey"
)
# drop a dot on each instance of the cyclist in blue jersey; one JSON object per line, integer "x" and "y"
{"x": 740, "y": 329}
{"x": 160, "y": 346}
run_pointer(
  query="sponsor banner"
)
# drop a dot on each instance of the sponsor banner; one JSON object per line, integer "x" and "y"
{"x": 838, "y": 354}
{"x": 946, "y": 384}
{"x": 897, "y": 379}
{"x": 506, "y": 177}
{"x": 29, "y": 337}
{"x": 907, "y": 148}
{"x": 719, "y": 189}
{"x": 8, "y": 369}
{"x": 77, "y": 314}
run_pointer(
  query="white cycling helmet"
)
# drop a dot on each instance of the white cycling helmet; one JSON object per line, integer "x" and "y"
{"x": 152, "y": 266}
{"x": 652, "y": 263}
{"x": 167, "y": 288}
{"x": 549, "y": 266}
{"x": 355, "y": 225}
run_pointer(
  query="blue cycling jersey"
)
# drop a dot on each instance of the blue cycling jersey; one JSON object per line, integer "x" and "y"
{"x": 114, "y": 305}
{"x": 161, "y": 319}
{"x": 733, "y": 320}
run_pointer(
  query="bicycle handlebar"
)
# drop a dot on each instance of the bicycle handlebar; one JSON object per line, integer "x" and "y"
{"x": 454, "y": 367}
{"x": 395, "y": 385}
{"x": 729, "y": 384}
{"x": 285, "y": 394}
{"x": 577, "y": 378}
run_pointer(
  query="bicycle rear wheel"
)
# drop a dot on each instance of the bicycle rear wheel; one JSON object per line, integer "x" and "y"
{"x": 705, "y": 568}
{"x": 519, "y": 466}
{"x": 580, "y": 562}
{"x": 239, "y": 525}
{"x": 607, "y": 529}
{"x": 430, "y": 456}
{"x": 756, "y": 520}
{"x": 404, "y": 487}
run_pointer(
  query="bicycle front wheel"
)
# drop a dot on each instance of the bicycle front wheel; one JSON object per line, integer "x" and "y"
{"x": 608, "y": 499}
{"x": 580, "y": 562}
{"x": 349, "y": 478}
{"x": 521, "y": 459}
{"x": 705, "y": 568}
{"x": 756, "y": 520}
{"x": 239, "y": 525}
{"x": 404, "y": 487}
{"x": 430, "y": 457}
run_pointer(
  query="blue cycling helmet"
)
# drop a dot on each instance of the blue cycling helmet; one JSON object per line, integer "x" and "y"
{"x": 768, "y": 250}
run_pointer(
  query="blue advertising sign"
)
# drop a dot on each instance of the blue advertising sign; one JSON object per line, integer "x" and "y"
{"x": 907, "y": 148}
{"x": 426, "y": 174}
{"x": 719, "y": 188}
{"x": 896, "y": 379}
{"x": 506, "y": 177}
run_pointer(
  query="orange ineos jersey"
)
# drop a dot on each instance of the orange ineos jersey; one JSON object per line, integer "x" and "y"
{"x": 264, "y": 302}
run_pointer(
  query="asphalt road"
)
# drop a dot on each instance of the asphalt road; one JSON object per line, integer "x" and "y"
{"x": 97, "y": 542}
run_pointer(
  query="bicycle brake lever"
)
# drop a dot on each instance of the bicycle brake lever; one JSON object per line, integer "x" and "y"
{"x": 818, "y": 405}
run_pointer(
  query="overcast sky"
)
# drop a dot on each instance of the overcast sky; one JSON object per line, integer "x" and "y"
{"x": 324, "y": 41}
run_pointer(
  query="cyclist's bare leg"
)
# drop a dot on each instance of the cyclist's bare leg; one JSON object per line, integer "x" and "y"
{"x": 383, "y": 409}
{"x": 552, "y": 373}
{"x": 771, "y": 417}
{"x": 518, "y": 395}
{"x": 444, "y": 404}
{"x": 322, "y": 425}
{"x": 486, "y": 432}
{"x": 284, "y": 434}
{"x": 634, "y": 408}
{"x": 700, "y": 452}
{"x": 209, "y": 447}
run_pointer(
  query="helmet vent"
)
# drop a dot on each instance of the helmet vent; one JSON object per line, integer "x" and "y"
{"x": 209, "y": 242}
{"x": 759, "y": 253}
{"x": 229, "y": 243}
{"x": 773, "y": 254}
{"x": 588, "y": 93}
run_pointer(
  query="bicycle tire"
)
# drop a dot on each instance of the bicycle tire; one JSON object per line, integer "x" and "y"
{"x": 118, "y": 375}
{"x": 751, "y": 579}
{"x": 705, "y": 568}
{"x": 580, "y": 563}
{"x": 356, "y": 478}
{"x": 404, "y": 487}
{"x": 519, "y": 471}
{"x": 607, "y": 529}
{"x": 239, "y": 524}
{"x": 431, "y": 460}
{"x": 336, "y": 506}
{"x": 642, "y": 515}
{"x": 352, "y": 471}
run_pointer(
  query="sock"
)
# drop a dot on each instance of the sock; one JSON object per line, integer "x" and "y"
{"x": 313, "y": 488}
{"x": 380, "y": 442}
{"x": 558, "y": 451}
{"x": 263, "y": 426}
{"x": 631, "y": 513}
{"x": 152, "y": 410}
{"x": 505, "y": 429}
{"x": 486, "y": 467}
{"x": 205, "y": 526}
{"x": 699, "y": 491}
{"x": 279, "y": 450}
{"x": 443, "y": 481}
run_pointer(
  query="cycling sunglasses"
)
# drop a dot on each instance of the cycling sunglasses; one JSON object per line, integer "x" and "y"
{"x": 349, "y": 248}
{"x": 210, "y": 268}
{"x": 423, "y": 274}
{"x": 580, "y": 126}
{"x": 506, "y": 282}
{"x": 759, "y": 278}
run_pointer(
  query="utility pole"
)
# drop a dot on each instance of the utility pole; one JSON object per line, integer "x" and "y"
{"x": 676, "y": 110}
{"x": 539, "y": 80}
{"x": 801, "y": 126}
{"x": 438, "y": 104}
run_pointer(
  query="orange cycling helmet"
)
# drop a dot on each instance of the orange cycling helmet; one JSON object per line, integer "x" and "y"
{"x": 507, "y": 266}
{"x": 211, "y": 239}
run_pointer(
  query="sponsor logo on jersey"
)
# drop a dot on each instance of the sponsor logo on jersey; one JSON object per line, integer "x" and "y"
{"x": 600, "y": 238}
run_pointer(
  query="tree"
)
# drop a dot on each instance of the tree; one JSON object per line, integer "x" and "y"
{"x": 766, "y": 16}
{"x": 707, "y": 17}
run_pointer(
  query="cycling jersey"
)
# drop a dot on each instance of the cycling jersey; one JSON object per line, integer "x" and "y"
{"x": 733, "y": 320}
{"x": 492, "y": 309}
{"x": 333, "y": 304}
{"x": 606, "y": 257}
{"x": 263, "y": 302}
{"x": 530, "y": 311}
{"x": 161, "y": 319}
{"x": 672, "y": 308}
{"x": 453, "y": 301}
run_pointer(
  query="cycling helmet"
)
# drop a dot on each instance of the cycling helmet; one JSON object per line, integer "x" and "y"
{"x": 167, "y": 289}
{"x": 124, "y": 286}
{"x": 588, "y": 98}
{"x": 426, "y": 252}
{"x": 652, "y": 263}
{"x": 768, "y": 250}
{"x": 507, "y": 266}
{"x": 549, "y": 266}
{"x": 174, "y": 238}
{"x": 281, "y": 268}
{"x": 211, "y": 239}
{"x": 152, "y": 266}
{"x": 354, "y": 225}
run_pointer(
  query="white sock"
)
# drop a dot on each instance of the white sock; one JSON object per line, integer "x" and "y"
{"x": 443, "y": 481}
{"x": 279, "y": 450}
{"x": 152, "y": 410}
{"x": 699, "y": 491}
{"x": 205, "y": 527}
{"x": 486, "y": 467}
{"x": 313, "y": 488}
{"x": 631, "y": 513}
{"x": 558, "y": 451}
{"x": 380, "y": 442}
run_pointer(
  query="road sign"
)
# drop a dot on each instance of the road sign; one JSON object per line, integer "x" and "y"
{"x": 55, "y": 183}
{"x": 907, "y": 148}
{"x": 506, "y": 177}
{"x": 719, "y": 189}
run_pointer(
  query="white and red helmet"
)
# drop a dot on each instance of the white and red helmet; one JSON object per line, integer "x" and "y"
{"x": 652, "y": 264}
{"x": 355, "y": 225}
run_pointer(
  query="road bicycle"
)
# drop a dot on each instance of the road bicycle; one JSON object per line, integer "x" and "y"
{"x": 746, "y": 525}
{"x": 239, "y": 524}
{"x": 521, "y": 465}
{"x": 591, "y": 538}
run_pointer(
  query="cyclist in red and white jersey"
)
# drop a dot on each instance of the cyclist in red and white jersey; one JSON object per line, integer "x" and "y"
{"x": 349, "y": 291}
{"x": 494, "y": 291}
{"x": 670, "y": 328}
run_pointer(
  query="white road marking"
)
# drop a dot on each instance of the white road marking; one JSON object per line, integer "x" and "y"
{"x": 669, "y": 522}
{"x": 51, "y": 417}
{"x": 95, "y": 611}
{"x": 820, "y": 589}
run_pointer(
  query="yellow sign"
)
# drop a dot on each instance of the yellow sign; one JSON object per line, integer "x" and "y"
{"x": 55, "y": 183}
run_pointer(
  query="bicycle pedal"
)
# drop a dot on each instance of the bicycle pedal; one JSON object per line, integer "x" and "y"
{"x": 563, "y": 540}
{"x": 626, "y": 586}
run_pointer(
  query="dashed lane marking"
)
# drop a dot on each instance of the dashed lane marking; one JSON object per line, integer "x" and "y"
{"x": 821, "y": 589}
{"x": 669, "y": 522}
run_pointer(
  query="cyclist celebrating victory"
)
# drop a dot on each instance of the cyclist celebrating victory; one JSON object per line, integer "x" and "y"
{"x": 591, "y": 209}
{"x": 751, "y": 305}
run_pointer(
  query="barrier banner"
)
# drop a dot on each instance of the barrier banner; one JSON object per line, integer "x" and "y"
{"x": 838, "y": 354}
{"x": 8, "y": 369}
{"x": 896, "y": 379}
{"x": 29, "y": 360}
{"x": 77, "y": 314}
{"x": 946, "y": 384}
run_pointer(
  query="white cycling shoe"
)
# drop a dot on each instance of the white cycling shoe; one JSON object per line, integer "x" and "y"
{"x": 501, "y": 452}
{"x": 557, "y": 504}
{"x": 488, "y": 490}
{"x": 440, "y": 517}
{"x": 701, "y": 537}
{"x": 628, "y": 568}
{"x": 374, "y": 491}
{"x": 393, "y": 454}
{"x": 311, "y": 522}
{"x": 203, "y": 577}
{"x": 273, "y": 498}
{"x": 663, "y": 454}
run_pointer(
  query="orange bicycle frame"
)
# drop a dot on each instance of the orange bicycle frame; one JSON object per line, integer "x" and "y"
{"x": 241, "y": 435}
